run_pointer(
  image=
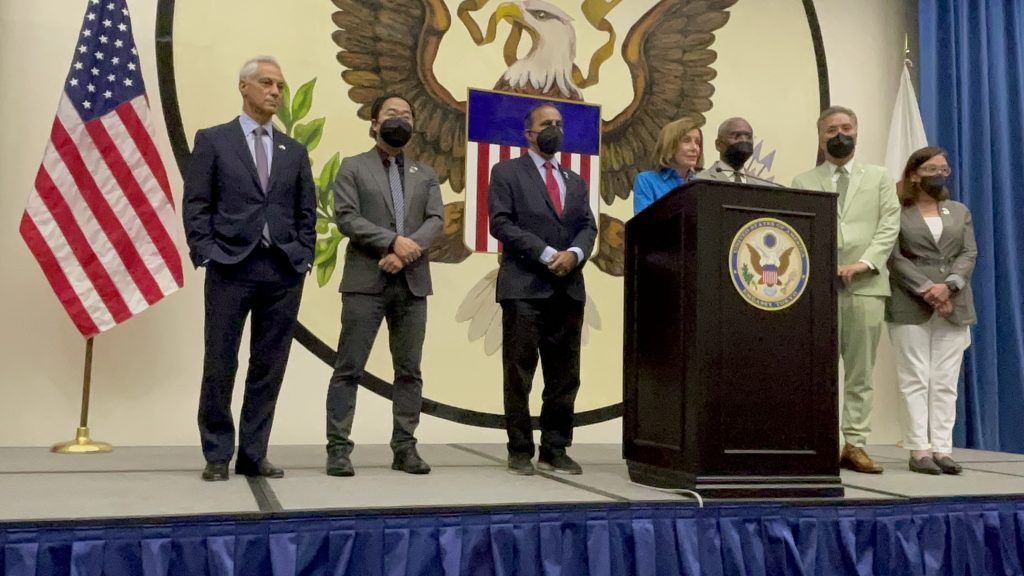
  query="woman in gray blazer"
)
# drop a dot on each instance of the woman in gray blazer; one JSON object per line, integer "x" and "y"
{"x": 931, "y": 308}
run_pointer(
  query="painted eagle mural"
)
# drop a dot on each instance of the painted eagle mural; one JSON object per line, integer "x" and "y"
{"x": 390, "y": 46}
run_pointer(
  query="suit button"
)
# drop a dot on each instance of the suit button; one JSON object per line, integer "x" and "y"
{"x": 942, "y": 269}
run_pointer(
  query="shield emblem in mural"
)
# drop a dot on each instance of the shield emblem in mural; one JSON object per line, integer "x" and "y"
{"x": 619, "y": 70}
{"x": 495, "y": 132}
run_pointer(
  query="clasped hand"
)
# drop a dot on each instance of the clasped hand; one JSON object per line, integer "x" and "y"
{"x": 404, "y": 251}
{"x": 563, "y": 263}
{"x": 938, "y": 297}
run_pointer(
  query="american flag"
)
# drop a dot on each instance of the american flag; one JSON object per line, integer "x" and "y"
{"x": 495, "y": 133}
{"x": 100, "y": 217}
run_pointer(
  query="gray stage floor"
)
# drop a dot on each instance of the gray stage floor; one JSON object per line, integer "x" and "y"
{"x": 164, "y": 481}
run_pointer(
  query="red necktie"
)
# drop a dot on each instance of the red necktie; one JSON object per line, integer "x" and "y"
{"x": 556, "y": 196}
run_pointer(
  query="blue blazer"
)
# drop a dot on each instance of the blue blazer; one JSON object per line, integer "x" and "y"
{"x": 653, "y": 184}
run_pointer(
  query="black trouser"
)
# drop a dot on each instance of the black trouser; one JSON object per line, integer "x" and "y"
{"x": 548, "y": 329}
{"x": 361, "y": 315}
{"x": 265, "y": 285}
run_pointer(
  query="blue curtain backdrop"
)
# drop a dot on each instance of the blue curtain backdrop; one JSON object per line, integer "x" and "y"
{"x": 972, "y": 538}
{"x": 972, "y": 102}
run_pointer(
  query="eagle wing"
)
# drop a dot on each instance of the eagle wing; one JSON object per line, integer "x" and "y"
{"x": 784, "y": 260}
{"x": 389, "y": 46}
{"x": 755, "y": 259}
{"x": 669, "y": 57}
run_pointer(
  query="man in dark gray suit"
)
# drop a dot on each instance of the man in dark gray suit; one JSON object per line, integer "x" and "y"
{"x": 389, "y": 206}
{"x": 249, "y": 211}
{"x": 540, "y": 212}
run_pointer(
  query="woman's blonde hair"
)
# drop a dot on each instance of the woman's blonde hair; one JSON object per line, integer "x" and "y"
{"x": 669, "y": 138}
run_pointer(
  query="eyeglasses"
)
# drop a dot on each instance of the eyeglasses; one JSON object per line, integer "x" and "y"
{"x": 935, "y": 170}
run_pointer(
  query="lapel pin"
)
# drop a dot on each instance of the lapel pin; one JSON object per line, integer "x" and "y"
{"x": 281, "y": 146}
{"x": 413, "y": 169}
{"x": 945, "y": 211}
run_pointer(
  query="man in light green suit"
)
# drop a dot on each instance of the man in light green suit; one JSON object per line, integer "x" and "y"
{"x": 869, "y": 222}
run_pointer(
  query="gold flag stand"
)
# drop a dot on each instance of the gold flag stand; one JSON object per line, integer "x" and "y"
{"x": 82, "y": 444}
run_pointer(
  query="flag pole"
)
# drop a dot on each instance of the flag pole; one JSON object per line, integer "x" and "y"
{"x": 82, "y": 444}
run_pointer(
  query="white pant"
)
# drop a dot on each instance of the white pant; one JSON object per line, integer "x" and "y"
{"x": 928, "y": 359}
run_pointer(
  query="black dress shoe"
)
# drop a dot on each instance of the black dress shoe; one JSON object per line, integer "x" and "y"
{"x": 215, "y": 471}
{"x": 558, "y": 461}
{"x": 924, "y": 466}
{"x": 519, "y": 464}
{"x": 948, "y": 465}
{"x": 339, "y": 465}
{"x": 409, "y": 461}
{"x": 264, "y": 468}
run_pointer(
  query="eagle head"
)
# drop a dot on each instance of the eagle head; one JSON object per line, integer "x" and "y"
{"x": 547, "y": 68}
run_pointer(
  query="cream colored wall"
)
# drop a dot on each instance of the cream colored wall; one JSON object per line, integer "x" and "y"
{"x": 146, "y": 372}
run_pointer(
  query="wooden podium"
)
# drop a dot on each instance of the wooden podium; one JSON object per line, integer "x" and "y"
{"x": 730, "y": 363}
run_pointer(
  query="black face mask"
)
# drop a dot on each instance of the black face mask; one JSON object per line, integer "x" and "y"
{"x": 840, "y": 146}
{"x": 737, "y": 154}
{"x": 933, "y": 185}
{"x": 395, "y": 132}
{"x": 549, "y": 140}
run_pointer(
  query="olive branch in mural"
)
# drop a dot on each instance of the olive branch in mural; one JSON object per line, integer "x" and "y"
{"x": 290, "y": 113}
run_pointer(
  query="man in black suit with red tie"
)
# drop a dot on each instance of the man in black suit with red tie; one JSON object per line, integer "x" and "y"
{"x": 250, "y": 213}
{"x": 541, "y": 214}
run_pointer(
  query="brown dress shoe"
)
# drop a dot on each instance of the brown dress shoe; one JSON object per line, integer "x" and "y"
{"x": 856, "y": 459}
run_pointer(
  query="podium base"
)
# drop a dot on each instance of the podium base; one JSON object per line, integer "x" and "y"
{"x": 738, "y": 487}
{"x": 82, "y": 444}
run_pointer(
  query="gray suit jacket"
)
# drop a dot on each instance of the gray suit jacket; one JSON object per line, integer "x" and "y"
{"x": 918, "y": 261}
{"x": 722, "y": 172}
{"x": 365, "y": 213}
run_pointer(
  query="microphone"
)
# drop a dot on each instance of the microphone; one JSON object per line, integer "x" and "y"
{"x": 749, "y": 177}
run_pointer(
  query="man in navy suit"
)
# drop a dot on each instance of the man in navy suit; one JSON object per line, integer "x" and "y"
{"x": 540, "y": 212}
{"x": 250, "y": 213}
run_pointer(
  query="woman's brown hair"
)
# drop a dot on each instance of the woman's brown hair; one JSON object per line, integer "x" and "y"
{"x": 909, "y": 190}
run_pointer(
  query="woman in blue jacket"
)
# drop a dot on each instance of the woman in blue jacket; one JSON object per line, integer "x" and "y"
{"x": 679, "y": 155}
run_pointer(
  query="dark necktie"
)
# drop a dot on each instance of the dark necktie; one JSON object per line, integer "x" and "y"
{"x": 262, "y": 172}
{"x": 260, "y": 155}
{"x": 737, "y": 177}
{"x": 397, "y": 197}
{"x": 552, "y": 184}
